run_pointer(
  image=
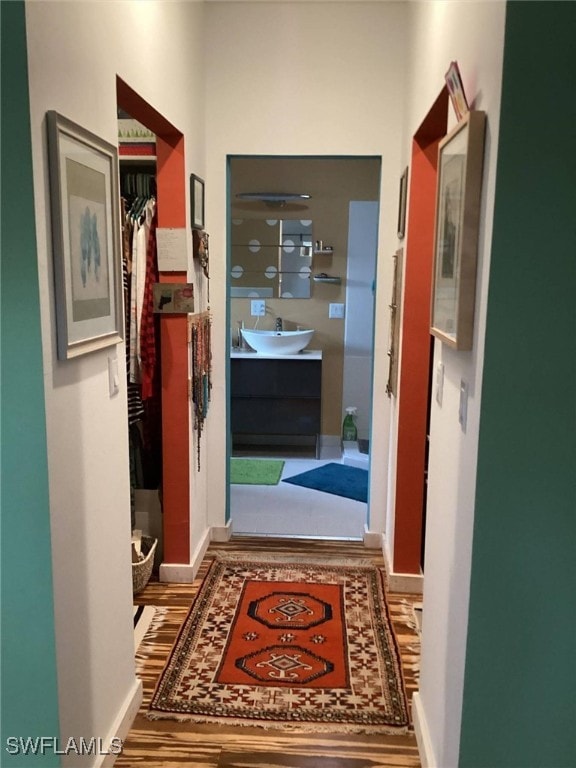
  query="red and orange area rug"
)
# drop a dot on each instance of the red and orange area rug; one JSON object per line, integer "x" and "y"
{"x": 299, "y": 645}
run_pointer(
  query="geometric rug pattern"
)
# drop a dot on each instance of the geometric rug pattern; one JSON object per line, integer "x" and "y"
{"x": 298, "y": 645}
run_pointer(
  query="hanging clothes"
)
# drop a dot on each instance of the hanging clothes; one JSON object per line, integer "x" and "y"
{"x": 135, "y": 406}
{"x": 149, "y": 331}
{"x": 142, "y": 216}
{"x": 144, "y": 413}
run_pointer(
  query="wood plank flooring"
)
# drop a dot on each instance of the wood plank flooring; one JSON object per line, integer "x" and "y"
{"x": 171, "y": 744}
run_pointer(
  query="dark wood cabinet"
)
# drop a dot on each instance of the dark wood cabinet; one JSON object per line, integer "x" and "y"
{"x": 275, "y": 401}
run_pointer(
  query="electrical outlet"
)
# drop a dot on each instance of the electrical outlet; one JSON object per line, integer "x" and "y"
{"x": 335, "y": 311}
{"x": 257, "y": 308}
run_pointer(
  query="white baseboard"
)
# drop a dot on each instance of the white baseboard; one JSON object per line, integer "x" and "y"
{"x": 330, "y": 441}
{"x": 176, "y": 573}
{"x": 185, "y": 573}
{"x": 372, "y": 539}
{"x": 422, "y": 733}
{"x": 330, "y": 447}
{"x": 122, "y": 724}
{"x": 221, "y": 532}
{"x": 412, "y": 583}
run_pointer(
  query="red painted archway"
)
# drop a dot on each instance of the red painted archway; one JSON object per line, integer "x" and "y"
{"x": 413, "y": 391}
{"x": 171, "y": 193}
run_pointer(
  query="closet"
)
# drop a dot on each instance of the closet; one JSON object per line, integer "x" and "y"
{"x": 137, "y": 155}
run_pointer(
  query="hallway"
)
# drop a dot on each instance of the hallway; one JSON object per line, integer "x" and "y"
{"x": 165, "y": 742}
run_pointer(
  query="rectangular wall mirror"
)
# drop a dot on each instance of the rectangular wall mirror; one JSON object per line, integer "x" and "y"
{"x": 271, "y": 258}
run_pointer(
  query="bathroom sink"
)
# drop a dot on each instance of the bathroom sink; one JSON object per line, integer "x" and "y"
{"x": 277, "y": 342}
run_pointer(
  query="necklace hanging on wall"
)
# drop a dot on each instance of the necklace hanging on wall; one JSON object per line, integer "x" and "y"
{"x": 199, "y": 337}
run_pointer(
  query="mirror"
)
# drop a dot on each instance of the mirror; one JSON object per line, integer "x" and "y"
{"x": 271, "y": 258}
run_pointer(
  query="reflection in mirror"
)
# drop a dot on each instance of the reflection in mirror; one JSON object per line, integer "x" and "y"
{"x": 271, "y": 258}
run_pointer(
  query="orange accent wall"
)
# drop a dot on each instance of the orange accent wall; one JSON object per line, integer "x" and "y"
{"x": 415, "y": 354}
{"x": 171, "y": 191}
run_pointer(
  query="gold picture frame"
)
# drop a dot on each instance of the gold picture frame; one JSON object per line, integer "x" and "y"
{"x": 458, "y": 199}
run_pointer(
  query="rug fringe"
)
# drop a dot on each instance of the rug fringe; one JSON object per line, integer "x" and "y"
{"x": 262, "y": 557}
{"x": 383, "y": 730}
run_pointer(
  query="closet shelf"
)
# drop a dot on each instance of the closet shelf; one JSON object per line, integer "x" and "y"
{"x": 140, "y": 159}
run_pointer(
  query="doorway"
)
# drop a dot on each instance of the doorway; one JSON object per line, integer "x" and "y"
{"x": 306, "y": 280}
{"x": 171, "y": 194}
{"x": 415, "y": 384}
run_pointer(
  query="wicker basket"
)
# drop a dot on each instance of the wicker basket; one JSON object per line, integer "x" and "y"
{"x": 142, "y": 570}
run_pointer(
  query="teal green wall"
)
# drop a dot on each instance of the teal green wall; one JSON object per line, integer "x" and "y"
{"x": 29, "y": 692}
{"x": 520, "y": 687}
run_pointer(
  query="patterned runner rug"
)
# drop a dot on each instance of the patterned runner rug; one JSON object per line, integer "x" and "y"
{"x": 300, "y": 645}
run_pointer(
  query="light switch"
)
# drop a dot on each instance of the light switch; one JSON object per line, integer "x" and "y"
{"x": 439, "y": 383}
{"x": 113, "y": 376}
{"x": 335, "y": 311}
{"x": 463, "y": 410}
{"x": 258, "y": 308}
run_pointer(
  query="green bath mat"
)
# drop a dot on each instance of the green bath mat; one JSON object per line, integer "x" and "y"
{"x": 255, "y": 471}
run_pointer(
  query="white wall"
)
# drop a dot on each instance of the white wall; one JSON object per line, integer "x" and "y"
{"x": 473, "y": 34}
{"x": 303, "y": 79}
{"x": 75, "y": 52}
{"x": 359, "y": 312}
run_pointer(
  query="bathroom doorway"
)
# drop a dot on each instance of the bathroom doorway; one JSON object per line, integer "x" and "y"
{"x": 302, "y": 234}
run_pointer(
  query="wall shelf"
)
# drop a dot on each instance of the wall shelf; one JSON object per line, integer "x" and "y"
{"x": 327, "y": 279}
{"x": 138, "y": 159}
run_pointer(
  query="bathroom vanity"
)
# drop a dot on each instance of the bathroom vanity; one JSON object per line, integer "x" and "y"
{"x": 276, "y": 399}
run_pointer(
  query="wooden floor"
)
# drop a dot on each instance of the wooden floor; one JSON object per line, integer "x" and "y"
{"x": 169, "y": 743}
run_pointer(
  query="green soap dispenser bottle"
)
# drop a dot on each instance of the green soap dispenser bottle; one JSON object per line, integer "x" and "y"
{"x": 349, "y": 431}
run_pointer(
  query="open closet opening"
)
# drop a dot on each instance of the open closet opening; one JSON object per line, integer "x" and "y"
{"x": 155, "y": 186}
{"x": 303, "y": 235}
{"x": 138, "y": 195}
{"x": 417, "y": 364}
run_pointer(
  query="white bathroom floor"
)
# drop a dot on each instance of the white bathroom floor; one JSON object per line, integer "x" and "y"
{"x": 289, "y": 510}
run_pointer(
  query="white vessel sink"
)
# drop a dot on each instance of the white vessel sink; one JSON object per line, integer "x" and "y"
{"x": 277, "y": 342}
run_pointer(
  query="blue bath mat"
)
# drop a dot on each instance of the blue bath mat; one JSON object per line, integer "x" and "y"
{"x": 338, "y": 479}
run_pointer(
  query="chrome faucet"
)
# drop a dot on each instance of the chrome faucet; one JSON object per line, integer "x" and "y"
{"x": 278, "y": 323}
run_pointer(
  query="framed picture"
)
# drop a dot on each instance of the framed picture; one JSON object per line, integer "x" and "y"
{"x": 395, "y": 319}
{"x": 402, "y": 204}
{"x": 173, "y": 298}
{"x": 196, "y": 201}
{"x": 458, "y": 197}
{"x": 456, "y": 90}
{"x": 85, "y": 238}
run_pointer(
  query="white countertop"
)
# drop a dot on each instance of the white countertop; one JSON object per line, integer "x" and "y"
{"x": 248, "y": 354}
